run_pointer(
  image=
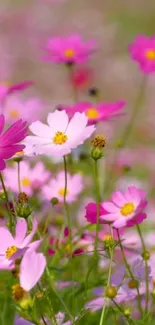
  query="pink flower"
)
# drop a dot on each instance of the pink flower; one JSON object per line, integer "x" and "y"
{"x": 91, "y": 213}
{"x": 60, "y": 136}
{"x": 82, "y": 77}
{"x": 15, "y": 108}
{"x": 10, "y": 138}
{"x": 71, "y": 49}
{"x": 97, "y": 112}
{"x": 31, "y": 269}
{"x": 142, "y": 50}
{"x": 13, "y": 247}
{"x": 30, "y": 178}
{"x": 125, "y": 208}
{"x": 56, "y": 187}
{"x": 6, "y": 89}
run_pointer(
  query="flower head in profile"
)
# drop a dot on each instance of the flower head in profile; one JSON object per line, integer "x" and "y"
{"x": 71, "y": 49}
{"x": 125, "y": 208}
{"x": 30, "y": 178}
{"x": 6, "y": 89}
{"x": 13, "y": 247}
{"x": 15, "y": 108}
{"x": 56, "y": 187}
{"x": 97, "y": 112}
{"x": 9, "y": 140}
{"x": 142, "y": 51}
{"x": 60, "y": 135}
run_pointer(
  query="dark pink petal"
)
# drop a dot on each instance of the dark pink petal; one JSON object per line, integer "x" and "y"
{"x": 2, "y": 122}
{"x": 2, "y": 164}
{"x": 8, "y": 152}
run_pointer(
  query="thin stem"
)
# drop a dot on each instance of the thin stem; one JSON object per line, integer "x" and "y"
{"x": 18, "y": 172}
{"x": 98, "y": 207}
{"x": 7, "y": 200}
{"x": 74, "y": 89}
{"x": 130, "y": 273}
{"x": 146, "y": 269}
{"x": 129, "y": 320}
{"x": 108, "y": 283}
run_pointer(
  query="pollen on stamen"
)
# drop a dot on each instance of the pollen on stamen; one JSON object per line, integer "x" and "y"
{"x": 60, "y": 138}
{"x": 127, "y": 209}
{"x": 10, "y": 251}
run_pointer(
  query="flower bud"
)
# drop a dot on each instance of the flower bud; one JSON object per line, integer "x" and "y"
{"x": 111, "y": 292}
{"x": 99, "y": 141}
{"x": 23, "y": 210}
{"x": 26, "y": 303}
{"x": 146, "y": 255}
{"x": 127, "y": 311}
{"x": 54, "y": 201}
{"x": 96, "y": 153}
{"x": 93, "y": 91}
{"x": 22, "y": 197}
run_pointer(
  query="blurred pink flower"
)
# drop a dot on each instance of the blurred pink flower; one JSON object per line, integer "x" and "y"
{"x": 60, "y": 136}
{"x": 91, "y": 213}
{"x": 30, "y": 178}
{"x": 125, "y": 209}
{"x": 97, "y": 112}
{"x": 31, "y": 269}
{"x": 6, "y": 89}
{"x": 15, "y": 107}
{"x": 10, "y": 138}
{"x": 13, "y": 247}
{"x": 82, "y": 77}
{"x": 56, "y": 187}
{"x": 71, "y": 49}
{"x": 142, "y": 50}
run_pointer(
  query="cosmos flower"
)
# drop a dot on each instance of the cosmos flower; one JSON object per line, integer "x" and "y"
{"x": 10, "y": 138}
{"x": 125, "y": 208}
{"x": 59, "y": 317}
{"x": 97, "y": 112}
{"x": 30, "y": 178}
{"x": 82, "y": 77}
{"x": 13, "y": 247}
{"x": 6, "y": 89}
{"x": 71, "y": 49}
{"x": 91, "y": 213}
{"x": 60, "y": 136}
{"x": 56, "y": 187}
{"x": 15, "y": 108}
{"x": 142, "y": 51}
{"x": 29, "y": 276}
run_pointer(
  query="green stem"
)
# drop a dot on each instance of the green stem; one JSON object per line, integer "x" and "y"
{"x": 146, "y": 269}
{"x": 7, "y": 200}
{"x": 98, "y": 207}
{"x": 129, "y": 320}
{"x": 130, "y": 273}
{"x": 18, "y": 172}
{"x": 74, "y": 89}
{"x": 108, "y": 283}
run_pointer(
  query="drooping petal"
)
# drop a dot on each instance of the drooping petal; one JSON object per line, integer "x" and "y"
{"x": 31, "y": 269}
{"x": 21, "y": 229}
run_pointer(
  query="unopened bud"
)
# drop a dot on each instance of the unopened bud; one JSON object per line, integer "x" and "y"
{"x": 22, "y": 197}
{"x": 26, "y": 303}
{"x": 23, "y": 210}
{"x": 99, "y": 141}
{"x": 54, "y": 201}
{"x": 111, "y": 292}
{"x": 127, "y": 311}
{"x": 96, "y": 153}
{"x": 146, "y": 255}
{"x": 93, "y": 91}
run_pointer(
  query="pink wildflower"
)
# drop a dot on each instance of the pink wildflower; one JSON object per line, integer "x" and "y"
{"x": 91, "y": 213}
{"x": 10, "y": 138}
{"x": 12, "y": 247}
{"x": 30, "y": 178}
{"x": 70, "y": 49}
{"x": 6, "y": 89}
{"x": 143, "y": 51}
{"x": 125, "y": 208}
{"x": 97, "y": 112}
{"x": 60, "y": 136}
{"x": 56, "y": 187}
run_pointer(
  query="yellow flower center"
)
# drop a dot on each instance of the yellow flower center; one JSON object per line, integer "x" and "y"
{"x": 69, "y": 53}
{"x": 133, "y": 284}
{"x": 92, "y": 113}
{"x": 10, "y": 251}
{"x": 62, "y": 191}
{"x": 60, "y": 138}
{"x": 127, "y": 209}
{"x": 150, "y": 54}
{"x": 26, "y": 182}
{"x": 18, "y": 292}
{"x": 19, "y": 153}
{"x": 107, "y": 237}
{"x": 14, "y": 113}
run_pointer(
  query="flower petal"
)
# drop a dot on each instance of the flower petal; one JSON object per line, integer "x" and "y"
{"x": 21, "y": 229}
{"x": 6, "y": 239}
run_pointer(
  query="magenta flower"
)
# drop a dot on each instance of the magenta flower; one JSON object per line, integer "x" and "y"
{"x": 31, "y": 269}
{"x": 60, "y": 136}
{"x": 97, "y": 112}
{"x": 70, "y": 49}
{"x": 10, "y": 138}
{"x": 142, "y": 50}
{"x": 125, "y": 208}
{"x": 7, "y": 89}
{"x": 56, "y": 187}
{"x": 91, "y": 213}
{"x": 13, "y": 247}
